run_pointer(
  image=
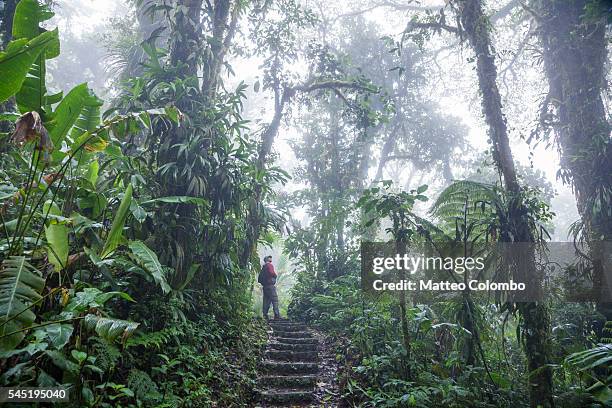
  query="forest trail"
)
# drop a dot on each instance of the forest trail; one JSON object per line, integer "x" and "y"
{"x": 297, "y": 371}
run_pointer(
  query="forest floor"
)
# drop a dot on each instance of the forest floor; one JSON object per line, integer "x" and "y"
{"x": 299, "y": 368}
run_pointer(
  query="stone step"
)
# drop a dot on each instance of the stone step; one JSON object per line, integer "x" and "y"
{"x": 283, "y": 367}
{"x": 287, "y": 381}
{"x": 294, "y": 334}
{"x": 292, "y": 340}
{"x": 292, "y": 346}
{"x": 287, "y": 396}
{"x": 286, "y": 355}
{"x": 288, "y": 326}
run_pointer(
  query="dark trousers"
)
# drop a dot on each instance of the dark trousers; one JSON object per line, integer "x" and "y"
{"x": 270, "y": 296}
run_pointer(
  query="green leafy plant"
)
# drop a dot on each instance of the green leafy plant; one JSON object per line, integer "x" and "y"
{"x": 21, "y": 285}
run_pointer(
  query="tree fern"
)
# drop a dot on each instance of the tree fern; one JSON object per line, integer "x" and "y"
{"x": 452, "y": 200}
{"x": 20, "y": 287}
{"x": 156, "y": 339}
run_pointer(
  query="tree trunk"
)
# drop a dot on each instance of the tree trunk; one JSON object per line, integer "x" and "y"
{"x": 222, "y": 35}
{"x": 575, "y": 54}
{"x": 535, "y": 315}
{"x": 6, "y": 24}
{"x": 188, "y": 34}
{"x": 254, "y": 216}
{"x": 185, "y": 39}
{"x": 401, "y": 249}
{"x": 386, "y": 151}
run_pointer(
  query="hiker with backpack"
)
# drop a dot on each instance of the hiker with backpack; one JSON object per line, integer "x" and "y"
{"x": 267, "y": 279}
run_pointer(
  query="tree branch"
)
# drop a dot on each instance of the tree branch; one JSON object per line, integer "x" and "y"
{"x": 332, "y": 84}
{"x": 427, "y": 26}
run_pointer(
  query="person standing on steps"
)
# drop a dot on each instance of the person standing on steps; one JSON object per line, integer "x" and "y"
{"x": 267, "y": 278}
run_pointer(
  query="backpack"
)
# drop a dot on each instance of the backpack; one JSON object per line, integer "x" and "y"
{"x": 262, "y": 276}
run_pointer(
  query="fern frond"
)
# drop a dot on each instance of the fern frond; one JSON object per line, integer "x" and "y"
{"x": 156, "y": 339}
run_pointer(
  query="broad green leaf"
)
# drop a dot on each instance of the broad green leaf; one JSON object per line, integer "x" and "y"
{"x": 79, "y": 356}
{"x": 60, "y": 361}
{"x": 92, "y": 298}
{"x": 68, "y": 111}
{"x": 20, "y": 287}
{"x": 92, "y": 172}
{"x": 31, "y": 348}
{"x": 95, "y": 201}
{"x": 116, "y": 232}
{"x": 89, "y": 119}
{"x": 147, "y": 259}
{"x": 59, "y": 334}
{"x": 138, "y": 212}
{"x": 176, "y": 200}
{"x": 91, "y": 142}
{"x": 33, "y": 93}
{"x": 109, "y": 329}
{"x": 172, "y": 113}
{"x": 57, "y": 238}
{"x": 29, "y": 14}
{"x": 16, "y": 60}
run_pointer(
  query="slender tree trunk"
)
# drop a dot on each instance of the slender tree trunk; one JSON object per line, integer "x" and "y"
{"x": 6, "y": 24}
{"x": 255, "y": 214}
{"x": 535, "y": 318}
{"x": 188, "y": 32}
{"x": 224, "y": 21}
{"x": 282, "y": 96}
{"x": 574, "y": 50}
{"x": 401, "y": 249}
{"x": 386, "y": 151}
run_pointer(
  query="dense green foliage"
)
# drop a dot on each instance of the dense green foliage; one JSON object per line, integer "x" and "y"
{"x": 130, "y": 229}
{"x": 82, "y": 268}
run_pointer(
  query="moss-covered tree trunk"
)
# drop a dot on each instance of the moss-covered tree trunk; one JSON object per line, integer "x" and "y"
{"x": 535, "y": 320}
{"x": 573, "y": 38}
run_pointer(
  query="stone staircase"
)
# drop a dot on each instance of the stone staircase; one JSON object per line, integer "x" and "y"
{"x": 288, "y": 373}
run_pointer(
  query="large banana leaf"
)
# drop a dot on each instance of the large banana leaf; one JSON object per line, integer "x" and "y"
{"x": 68, "y": 113}
{"x": 20, "y": 287}
{"x": 90, "y": 117}
{"x": 32, "y": 96}
{"x": 29, "y": 14}
{"x": 147, "y": 259}
{"x": 57, "y": 238}
{"x": 16, "y": 61}
{"x": 109, "y": 329}
{"x": 114, "y": 236}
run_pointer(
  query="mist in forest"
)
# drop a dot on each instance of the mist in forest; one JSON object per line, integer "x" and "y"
{"x": 172, "y": 171}
{"x": 446, "y": 84}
